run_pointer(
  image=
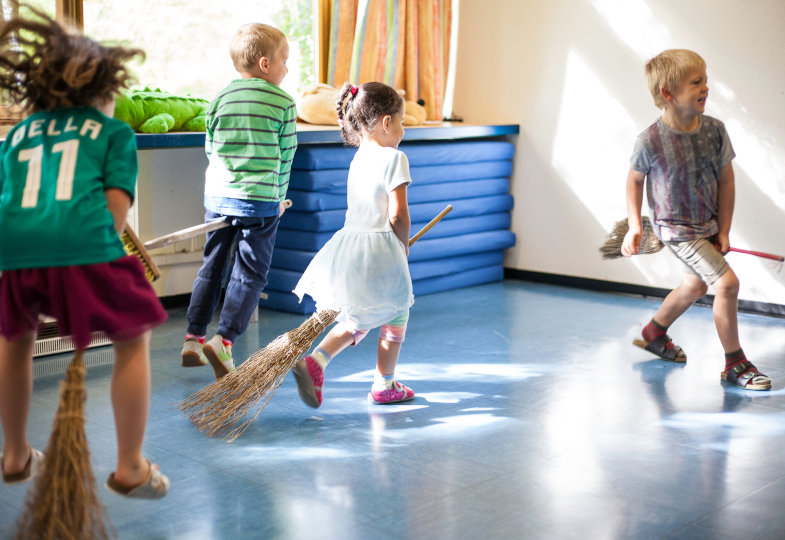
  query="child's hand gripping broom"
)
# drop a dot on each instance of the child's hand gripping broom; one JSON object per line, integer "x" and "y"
{"x": 228, "y": 400}
{"x": 611, "y": 249}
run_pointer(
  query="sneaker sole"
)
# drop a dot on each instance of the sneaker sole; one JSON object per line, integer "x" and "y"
{"x": 305, "y": 388}
{"x": 212, "y": 357}
{"x": 192, "y": 359}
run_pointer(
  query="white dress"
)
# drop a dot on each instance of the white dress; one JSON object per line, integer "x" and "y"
{"x": 362, "y": 271}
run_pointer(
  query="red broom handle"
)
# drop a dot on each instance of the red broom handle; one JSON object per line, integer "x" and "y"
{"x": 771, "y": 256}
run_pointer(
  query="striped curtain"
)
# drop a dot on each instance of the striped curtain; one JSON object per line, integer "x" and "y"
{"x": 403, "y": 43}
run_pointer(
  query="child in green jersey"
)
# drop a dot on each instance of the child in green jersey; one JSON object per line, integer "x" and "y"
{"x": 250, "y": 143}
{"x": 67, "y": 178}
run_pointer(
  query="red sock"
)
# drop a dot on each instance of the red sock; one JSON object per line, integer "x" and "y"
{"x": 226, "y": 342}
{"x": 653, "y": 330}
{"x": 731, "y": 359}
{"x": 200, "y": 339}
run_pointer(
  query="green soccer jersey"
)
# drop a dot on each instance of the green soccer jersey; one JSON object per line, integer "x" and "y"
{"x": 54, "y": 169}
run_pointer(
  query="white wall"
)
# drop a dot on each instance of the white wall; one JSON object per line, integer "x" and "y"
{"x": 570, "y": 72}
{"x": 170, "y": 197}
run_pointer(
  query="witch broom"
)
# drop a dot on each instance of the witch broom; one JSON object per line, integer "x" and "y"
{"x": 227, "y": 401}
{"x": 611, "y": 249}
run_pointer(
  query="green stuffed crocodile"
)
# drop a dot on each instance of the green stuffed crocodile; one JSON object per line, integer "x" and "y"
{"x": 154, "y": 111}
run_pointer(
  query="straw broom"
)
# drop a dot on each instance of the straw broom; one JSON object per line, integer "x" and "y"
{"x": 64, "y": 503}
{"x": 227, "y": 401}
{"x": 611, "y": 249}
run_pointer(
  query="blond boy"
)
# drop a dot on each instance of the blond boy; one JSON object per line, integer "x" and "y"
{"x": 684, "y": 160}
{"x": 250, "y": 142}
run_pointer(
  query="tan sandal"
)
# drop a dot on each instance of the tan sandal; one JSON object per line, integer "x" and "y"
{"x": 33, "y": 466}
{"x": 154, "y": 487}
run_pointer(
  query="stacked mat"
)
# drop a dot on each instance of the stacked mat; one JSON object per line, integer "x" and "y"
{"x": 465, "y": 248}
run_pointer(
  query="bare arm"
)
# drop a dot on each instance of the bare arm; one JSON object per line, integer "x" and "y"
{"x": 398, "y": 214}
{"x": 118, "y": 202}
{"x": 725, "y": 202}
{"x": 632, "y": 240}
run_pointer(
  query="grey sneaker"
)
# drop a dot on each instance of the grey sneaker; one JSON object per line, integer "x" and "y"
{"x": 219, "y": 355}
{"x": 192, "y": 354}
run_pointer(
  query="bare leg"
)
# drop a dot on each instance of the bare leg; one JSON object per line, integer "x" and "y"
{"x": 336, "y": 341}
{"x": 131, "y": 402}
{"x": 16, "y": 390}
{"x": 725, "y": 309}
{"x": 691, "y": 289}
{"x": 387, "y": 356}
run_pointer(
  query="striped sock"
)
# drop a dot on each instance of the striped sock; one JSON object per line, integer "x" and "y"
{"x": 734, "y": 358}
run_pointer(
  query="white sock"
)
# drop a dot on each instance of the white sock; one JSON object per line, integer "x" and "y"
{"x": 385, "y": 381}
{"x": 321, "y": 357}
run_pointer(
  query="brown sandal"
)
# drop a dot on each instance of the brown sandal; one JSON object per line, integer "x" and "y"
{"x": 663, "y": 347}
{"x": 745, "y": 375}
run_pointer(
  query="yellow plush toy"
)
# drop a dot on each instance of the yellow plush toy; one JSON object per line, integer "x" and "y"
{"x": 317, "y": 106}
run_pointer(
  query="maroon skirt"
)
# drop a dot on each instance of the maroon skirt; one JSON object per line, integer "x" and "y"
{"x": 113, "y": 297}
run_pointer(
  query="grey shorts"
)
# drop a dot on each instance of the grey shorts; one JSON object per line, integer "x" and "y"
{"x": 701, "y": 258}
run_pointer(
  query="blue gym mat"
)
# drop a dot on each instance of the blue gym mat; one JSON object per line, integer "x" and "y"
{"x": 334, "y": 180}
{"x": 313, "y": 201}
{"x": 313, "y": 241}
{"x": 332, "y": 220}
{"x": 332, "y": 156}
{"x": 287, "y": 301}
{"x": 425, "y": 249}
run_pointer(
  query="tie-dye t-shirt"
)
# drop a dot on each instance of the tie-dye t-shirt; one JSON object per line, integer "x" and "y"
{"x": 682, "y": 176}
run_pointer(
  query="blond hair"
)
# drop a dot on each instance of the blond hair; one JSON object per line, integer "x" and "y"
{"x": 251, "y": 42}
{"x": 669, "y": 69}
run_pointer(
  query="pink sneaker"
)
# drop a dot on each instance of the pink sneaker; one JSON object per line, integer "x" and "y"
{"x": 310, "y": 379}
{"x": 397, "y": 393}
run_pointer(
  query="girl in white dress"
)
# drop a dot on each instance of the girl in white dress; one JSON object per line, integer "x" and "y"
{"x": 363, "y": 271}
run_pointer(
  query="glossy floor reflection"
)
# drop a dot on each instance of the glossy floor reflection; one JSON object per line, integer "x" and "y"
{"x": 535, "y": 417}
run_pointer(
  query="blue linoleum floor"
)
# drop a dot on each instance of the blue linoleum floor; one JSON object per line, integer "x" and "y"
{"x": 535, "y": 417}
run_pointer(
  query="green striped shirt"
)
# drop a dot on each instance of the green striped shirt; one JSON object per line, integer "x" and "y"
{"x": 250, "y": 142}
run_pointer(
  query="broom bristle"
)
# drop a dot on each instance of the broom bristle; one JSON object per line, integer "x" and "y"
{"x": 611, "y": 249}
{"x": 227, "y": 401}
{"x": 64, "y": 502}
{"x": 133, "y": 246}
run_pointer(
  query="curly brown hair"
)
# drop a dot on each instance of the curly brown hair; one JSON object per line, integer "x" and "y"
{"x": 365, "y": 106}
{"x": 44, "y": 66}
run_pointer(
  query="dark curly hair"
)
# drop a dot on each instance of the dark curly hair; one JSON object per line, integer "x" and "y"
{"x": 44, "y": 66}
{"x": 361, "y": 107}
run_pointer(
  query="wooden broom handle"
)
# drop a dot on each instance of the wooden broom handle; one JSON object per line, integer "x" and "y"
{"x": 430, "y": 224}
{"x": 190, "y": 232}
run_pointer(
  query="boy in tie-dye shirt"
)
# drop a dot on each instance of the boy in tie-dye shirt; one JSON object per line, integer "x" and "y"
{"x": 684, "y": 160}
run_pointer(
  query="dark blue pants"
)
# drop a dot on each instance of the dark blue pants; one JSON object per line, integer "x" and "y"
{"x": 254, "y": 238}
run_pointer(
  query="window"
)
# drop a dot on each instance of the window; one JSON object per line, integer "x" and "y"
{"x": 187, "y": 41}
